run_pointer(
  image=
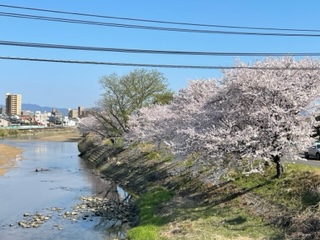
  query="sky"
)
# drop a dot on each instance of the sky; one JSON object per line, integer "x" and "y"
{"x": 65, "y": 85}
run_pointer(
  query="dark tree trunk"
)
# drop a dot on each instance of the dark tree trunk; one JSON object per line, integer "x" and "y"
{"x": 279, "y": 166}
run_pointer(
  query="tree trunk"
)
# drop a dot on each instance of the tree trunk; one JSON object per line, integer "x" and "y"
{"x": 279, "y": 166}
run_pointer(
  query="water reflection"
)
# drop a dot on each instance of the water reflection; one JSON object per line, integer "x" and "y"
{"x": 41, "y": 149}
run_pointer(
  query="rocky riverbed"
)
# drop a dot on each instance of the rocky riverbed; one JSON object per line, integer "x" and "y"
{"x": 90, "y": 207}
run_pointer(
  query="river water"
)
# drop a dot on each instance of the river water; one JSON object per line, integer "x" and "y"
{"x": 57, "y": 188}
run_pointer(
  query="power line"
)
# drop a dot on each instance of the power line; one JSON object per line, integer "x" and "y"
{"x": 159, "y": 21}
{"x": 108, "y": 63}
{"x": 107, "y": 24}
{"x": 155, "y": 65}
{"x": 149, "y": 51}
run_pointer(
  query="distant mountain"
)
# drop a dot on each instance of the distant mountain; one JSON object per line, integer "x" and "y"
{"x": 35, "y": 107}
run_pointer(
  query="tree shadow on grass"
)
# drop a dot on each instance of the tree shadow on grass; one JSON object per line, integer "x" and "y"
{"x": 237, "y": 220}
{"x": 214, "y": 203}
{"x": 221, "y": 193}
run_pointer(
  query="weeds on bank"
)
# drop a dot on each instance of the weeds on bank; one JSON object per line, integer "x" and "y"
{"x": 9, "y": 132}
{"x": 297, "y": 196}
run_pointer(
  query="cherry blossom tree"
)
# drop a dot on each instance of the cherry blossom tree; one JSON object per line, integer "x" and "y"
{"x": 173, "y": 124}
{"x": 253, "y": 115}
{"x": 163, "y": 123}
{"x": 262, "y": 108}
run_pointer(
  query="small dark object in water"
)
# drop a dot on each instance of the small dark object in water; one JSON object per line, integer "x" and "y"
{"x": 41, "y": 170}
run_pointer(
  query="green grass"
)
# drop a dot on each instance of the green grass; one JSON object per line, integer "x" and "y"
{"x": 148, "y": 203}
{"x": 226, "y": 221}
{"x": 150, "y": 220}
{"x": 296, "y": 189}
{"x": 197, "y": 221}
{"x": 147, "y": 232}
{"x": 153, "y": 156}
{"x": 198, "y": 211}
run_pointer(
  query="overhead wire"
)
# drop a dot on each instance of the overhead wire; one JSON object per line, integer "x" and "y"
{"x": 155, "y": 65}
{"x": 149, "y": 51}
{"x": 159, "y": 21}
{"x": 145, "y": 27}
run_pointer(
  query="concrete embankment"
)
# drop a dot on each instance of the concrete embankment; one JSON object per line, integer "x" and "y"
{"x": 132, "y": 169}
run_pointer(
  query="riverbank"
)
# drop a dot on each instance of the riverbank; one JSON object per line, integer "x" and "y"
{"x": 174, "y": 203}
{"x": 72, "y": 136}
{"x": 59, "y": 134}
{"x": 177, "y": 204}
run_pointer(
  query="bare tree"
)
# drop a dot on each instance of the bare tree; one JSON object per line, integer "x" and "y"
{"x": 123, "y": 95}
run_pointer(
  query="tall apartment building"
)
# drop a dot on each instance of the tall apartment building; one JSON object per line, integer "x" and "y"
{"x": 81, "y": 112}
{"x": 13, "y": 104}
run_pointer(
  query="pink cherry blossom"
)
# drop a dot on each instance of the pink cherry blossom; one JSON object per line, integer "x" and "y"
{"x": 240, "y": 121}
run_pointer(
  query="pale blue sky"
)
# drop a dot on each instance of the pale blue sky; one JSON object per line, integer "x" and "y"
{"x": 71, "y": 85}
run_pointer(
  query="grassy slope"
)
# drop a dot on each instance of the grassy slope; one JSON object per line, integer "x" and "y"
{"x": 178, "y": 206}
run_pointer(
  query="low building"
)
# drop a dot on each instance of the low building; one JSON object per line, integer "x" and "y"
{"x": 53, "y": 120}
{"x": 41, "y": 118}
{"x": 56, "y": 113}
{"x": 26, "y": 113}
{"x": 73, "y": 113}
{"x": 25, "y": 120}
{"x": 70, "y": 122}
{"x": 4, "y": 122}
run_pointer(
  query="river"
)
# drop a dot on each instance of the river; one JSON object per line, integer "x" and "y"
{"x": 48, "y": 180}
